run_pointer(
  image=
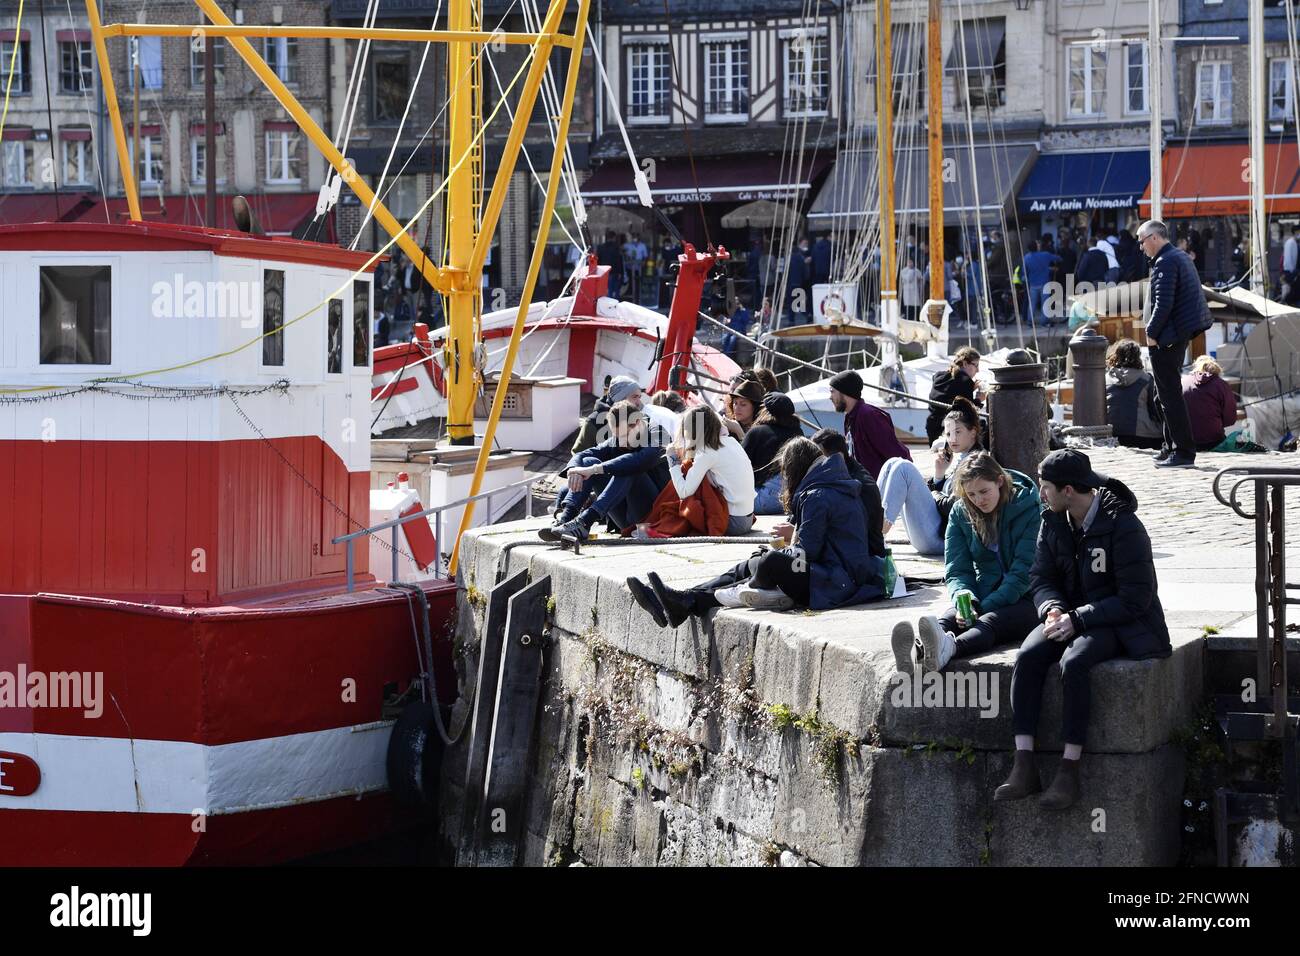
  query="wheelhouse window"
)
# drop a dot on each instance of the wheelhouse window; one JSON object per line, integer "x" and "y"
{"x": 360, "y": 323}
{"x": 22, "y": 65}
{"x": 334, "y": 338}
{"x": 76, "y": 67}
{"x": 283, "y": 145}
{"x": 273, "y": 317}
{"x": 198, "y": 62}
{"x": 76, "y": 315}
{"x": 19, "y": 157}
{"x": 649, "y": 82}
{"x": 807, "y": 74}
{"x": 726, "y": 65}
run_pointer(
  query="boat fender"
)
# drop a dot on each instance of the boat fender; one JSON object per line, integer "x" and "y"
{"x": 415, "y": 756}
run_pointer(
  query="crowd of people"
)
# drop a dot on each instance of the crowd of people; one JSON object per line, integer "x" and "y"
{"x": 1061, "y": 566}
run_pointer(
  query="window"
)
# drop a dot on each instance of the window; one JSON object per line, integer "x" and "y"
{"x": 726, "y": 65}
{"x": 151, "y": 63}
{"x": 391, "y": 85}
{"x": 334, "y": 339}
{"x": 979, "y": 62}
{"x": 807, "y": 74}
{"x": 281, "y": 55}
{"x": 1281, "y": 89}
{"x": 18, "y": 159}
{"x": 360, "y": 323}
{"x": 1087, "y": 80}
{"x": 273, "y": 316}
{"x": 22, "y": 65}
{"x": 76, "y": 67}
{"x": 1136, "y": 77}
{"x": 282, "y": 155}
{"x": 198, "y": 63}
{"x": 150, "y": 164}
{"x": 649, "y": 87}
{"x": 198, "y": 155}
{"x": 77, "y": 160}
{"x": 1214, "y": 92}
{"x": 76, "y": 315}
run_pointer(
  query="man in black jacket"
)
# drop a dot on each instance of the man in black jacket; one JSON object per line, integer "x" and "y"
{"x": 1094, "y": 585}
{"x": 1176, "y": 314}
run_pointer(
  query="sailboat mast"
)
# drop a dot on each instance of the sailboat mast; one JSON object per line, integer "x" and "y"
{"x": 463, "y": 298}
{"x": 934, "y": 75}
{"x": 885, "y": 142}
{"x": 1258, "y": 234}
{"x": 1154, "y": 74}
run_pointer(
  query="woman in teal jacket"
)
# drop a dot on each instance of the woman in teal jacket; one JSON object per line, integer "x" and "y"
{"x": 988, "y": 550}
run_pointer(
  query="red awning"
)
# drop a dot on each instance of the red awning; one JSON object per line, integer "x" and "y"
{"x": 74, "y": 132}
{"x": 730, "y": 179}
{"x": 1210, "y": 180}
{"x": 18, "y": 132}
{"x": 201, "y": 129}
{"x": 23, "y": 35}
{"x": 46, "y": 207}
{"x": 72, "y": 36}
{"x": 279, "y": 126}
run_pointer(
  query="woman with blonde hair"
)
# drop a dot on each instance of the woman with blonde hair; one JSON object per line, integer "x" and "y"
{"x": 1211, "y": 405}
{"x": 989, "y": 549}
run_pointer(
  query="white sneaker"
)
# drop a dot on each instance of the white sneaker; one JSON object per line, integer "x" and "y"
{"x": 773, "y": 599}
{"x": 729, "y": 597}
{"x": 903, "y": 639}
{"x": 938, "y": 645}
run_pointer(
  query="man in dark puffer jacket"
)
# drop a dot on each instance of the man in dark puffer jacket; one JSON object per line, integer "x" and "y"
{"x": 1176, "y": 314}
{"x": 1094, "y": 585}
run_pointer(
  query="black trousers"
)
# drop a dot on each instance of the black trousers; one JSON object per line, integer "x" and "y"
{"x": 771, "y": 569}
{"x": 1077, "y": 659}
{"x": 1003, "y": 626}
{"x": 1167, "y": 370}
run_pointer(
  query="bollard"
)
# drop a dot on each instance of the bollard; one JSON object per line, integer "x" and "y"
{"x": 1088, "y": 351}
{"x": 1018, "y": 414}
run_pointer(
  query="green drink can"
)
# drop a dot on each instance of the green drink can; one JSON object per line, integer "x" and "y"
{"x": 964, "y": 607}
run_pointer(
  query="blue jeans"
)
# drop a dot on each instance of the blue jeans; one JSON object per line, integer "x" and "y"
{"x": 1037, "y": 301}
{"x": 625, "y": 499}
{"x": 767, "y": 500}
{"x": 903, "y": 490}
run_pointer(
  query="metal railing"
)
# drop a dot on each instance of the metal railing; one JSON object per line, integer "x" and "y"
{"x": 348, "y": 539}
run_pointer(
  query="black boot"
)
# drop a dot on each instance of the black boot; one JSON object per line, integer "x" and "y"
{"x": 561, "y": 518}
{"x": 576, "y": 529}
{"x": 676, "y": 604}
{"x": 1023, "y": 781}
{"x": 1064, "y": 791}
{"x": 648, "y": 602}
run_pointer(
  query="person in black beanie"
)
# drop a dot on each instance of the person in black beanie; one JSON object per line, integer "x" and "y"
{"x": 1093, "y": 584}
{"x": 870, "y": 430}
{"x": 775, "y": 425}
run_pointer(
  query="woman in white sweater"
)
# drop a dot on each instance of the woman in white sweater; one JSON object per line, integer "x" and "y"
{"x": 718, "y": 457}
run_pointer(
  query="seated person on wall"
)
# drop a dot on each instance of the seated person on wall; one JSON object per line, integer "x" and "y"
{"x": 741, "y": 404}
{"x": 1210, "y": 403}
{"x": 617, "y": 480}
{"x": 621, "y": 389}
{"x": 765, "y": 377}
{"x": 828, "y": 565}
{"x": 833, "y": 443}
{"x": 1131, "y": 406}
{"x": 925, "y": 502}
{"x": 715, "y": 457}
{"x": 1094, "y": 588}
{"x": 957, "y": 380}
{"x": 870, "y": 430}
{"x": 988, "y": 550}
{"x": 775, "y": 425}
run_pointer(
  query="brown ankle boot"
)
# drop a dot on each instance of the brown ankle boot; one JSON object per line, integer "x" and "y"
{"x": 1023, "y": 780}
{"x": 1064, "y": 791}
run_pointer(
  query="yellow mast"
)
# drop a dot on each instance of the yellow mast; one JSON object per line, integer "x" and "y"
{"x": 934, "y": 76}
{"x": 464, "y": 299}
{"x": 888, "y": 316}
